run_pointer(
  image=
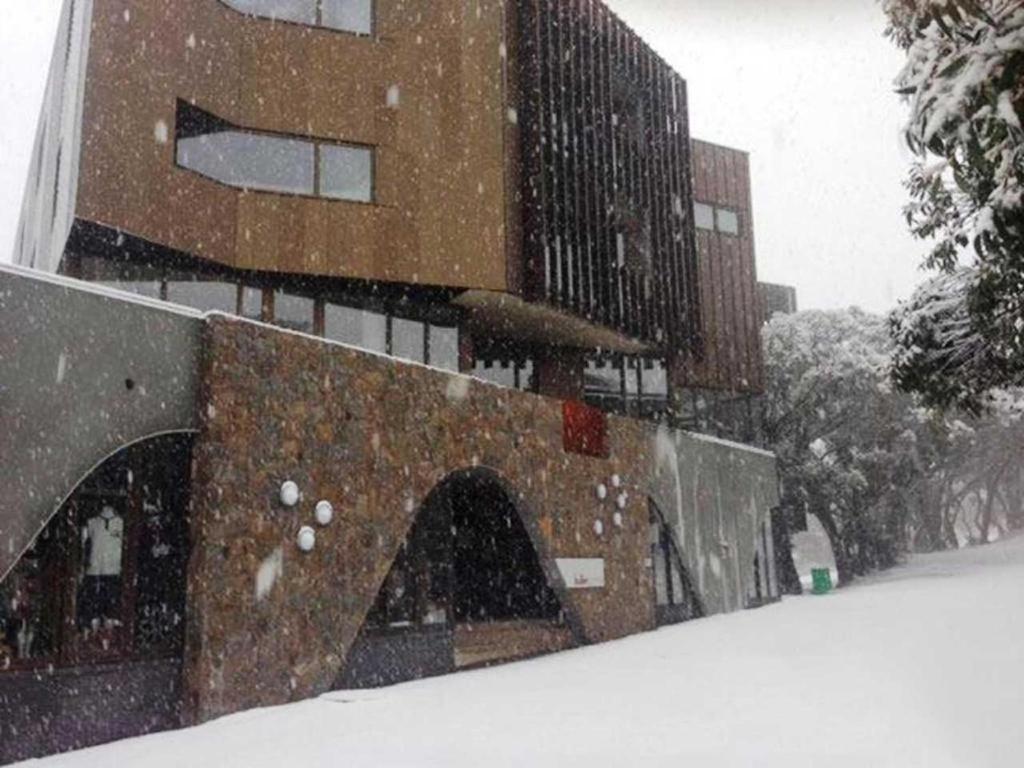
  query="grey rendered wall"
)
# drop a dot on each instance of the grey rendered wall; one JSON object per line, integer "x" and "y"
{"x": 67, "y": 355}
{"x": 48, "y": 207}
{"x": 715, "y": 495}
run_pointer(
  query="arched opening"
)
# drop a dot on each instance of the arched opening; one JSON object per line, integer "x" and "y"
{"x": 676, "y": 597}
{"x": 97, "y": 606}
{"x": 466, "y": 589}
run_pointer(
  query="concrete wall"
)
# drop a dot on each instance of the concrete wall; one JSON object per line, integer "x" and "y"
{"x": 67, "y": 353}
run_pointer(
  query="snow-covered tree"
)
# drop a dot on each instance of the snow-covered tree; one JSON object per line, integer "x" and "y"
{"x": 839, "y": 431}
{"x": 939, "y": 351}
{"x": 964, "y": 80}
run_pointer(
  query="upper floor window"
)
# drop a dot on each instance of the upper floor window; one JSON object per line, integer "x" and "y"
{"x": 272, "y": 163}
{"x": 716, "y": 219}
{"x": 704, "y": 216}
{"x": 728, "y": 222}
{"x": 354, "y": 16}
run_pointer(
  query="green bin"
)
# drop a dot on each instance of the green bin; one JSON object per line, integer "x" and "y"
{"x": 821, "y": 580}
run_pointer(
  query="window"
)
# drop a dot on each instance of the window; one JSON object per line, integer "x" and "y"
{"x": 712, "y": 218}
{"x": 704, "y": 216}
{"x": 354, "y": 16}
{"x": 513, "y": 374}
{"x": 105, "y": 580}
{"x": 347, "y": 15}
{"x": 250, "y": 303}
{"x": 248, "y": 159}
{"x": 444, "y": 348}
{"x": 627, "y": 385}
{"x": 204, "y": 295}
{"x": 408, "y": 340}
{"x": 356, "y": 327}
{"x": 728, "y": 221}
{"x": 293, "y": 311}
{"x": 346, "y": 173}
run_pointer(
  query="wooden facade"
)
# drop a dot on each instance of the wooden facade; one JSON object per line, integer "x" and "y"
{"x": 731, "y": 358}
{"x": 425, "y": 91}
{"x": 605, "y": 174}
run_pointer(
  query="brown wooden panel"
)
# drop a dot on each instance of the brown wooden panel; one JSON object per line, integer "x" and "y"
{"x": 733, "y": 358}
{"x": 440, "y": 212}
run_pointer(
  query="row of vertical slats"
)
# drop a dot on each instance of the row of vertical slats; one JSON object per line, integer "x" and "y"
{"x": 578, "y": 166}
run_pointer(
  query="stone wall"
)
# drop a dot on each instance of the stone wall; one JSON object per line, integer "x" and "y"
{"x": 269, "y": 624}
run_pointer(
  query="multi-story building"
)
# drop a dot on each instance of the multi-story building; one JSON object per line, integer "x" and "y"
{"x": 210, "y": 513}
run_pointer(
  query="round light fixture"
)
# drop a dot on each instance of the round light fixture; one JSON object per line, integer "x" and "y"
{"x": 616, "y": 481}
{"x": 324, "y": 512}
{"x": 289, "y": 493}
{"x": 623, "y": 501}
{"x": 617, "y": 519}
{"x": 598, "y": 527}
{"x": 602, "y": 491}
{"x": 306, "y": 539}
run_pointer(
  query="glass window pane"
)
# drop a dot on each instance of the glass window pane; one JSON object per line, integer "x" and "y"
{"x": 656, "y": 380}
{"x": 525, "y": 371}
{"x": 204, "y": 295}
{"x": 444, "y": 348}
{"x": 704, "y": 216}
{"x": 407, "y": 339}
{"x": 252, "y": 303}
{"x": 349, "y": 15}
{"x": 302, "y": 11}
{"x": 356, "y": 327}
{"x": 346, "y": 173}
{"x": 603, "y": 377}
{"x": 29, "y": 606}
{"x": 250, "y": 161}
{"x": 728, "y": 221}
{"x": 501, "y": 373}
{"x": 294, "y": 312}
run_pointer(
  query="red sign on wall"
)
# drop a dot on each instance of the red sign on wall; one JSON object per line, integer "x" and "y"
{"x": 584, "y": 430}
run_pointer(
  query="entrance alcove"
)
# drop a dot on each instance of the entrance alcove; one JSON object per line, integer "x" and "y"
{"x": 466, "y": 589}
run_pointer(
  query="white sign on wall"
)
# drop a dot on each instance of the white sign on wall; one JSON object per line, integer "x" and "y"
{"x": 582, "y": 573}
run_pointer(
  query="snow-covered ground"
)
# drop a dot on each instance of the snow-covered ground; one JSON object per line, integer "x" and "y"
{"x": 923, "y": 666}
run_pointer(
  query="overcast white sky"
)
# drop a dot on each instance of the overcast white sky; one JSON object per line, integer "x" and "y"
{"x": 803, "y": 85}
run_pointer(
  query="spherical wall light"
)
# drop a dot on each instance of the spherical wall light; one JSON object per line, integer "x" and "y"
{"x": 290, "y": 493}
{"x": 324, "y": 513}
{"x": 623, "y": 501}
{"x": 602, "y": 492}
{"x": 617, "y": 519}
{"x": 306, "y": 539}
{"x": 598, "y": 527}
{"x": 616, "y": 481}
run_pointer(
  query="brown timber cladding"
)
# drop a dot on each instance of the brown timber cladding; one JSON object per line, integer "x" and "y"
{"x": 439, "y": 212}
{"x": 731, "y": 330}
{"x": 608, "y": 232}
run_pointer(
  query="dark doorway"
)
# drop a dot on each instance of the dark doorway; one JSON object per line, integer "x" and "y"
{"x": 92, "y": 618}
{"x": 676, "y": 597}
{"x": 467, "y": 588}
